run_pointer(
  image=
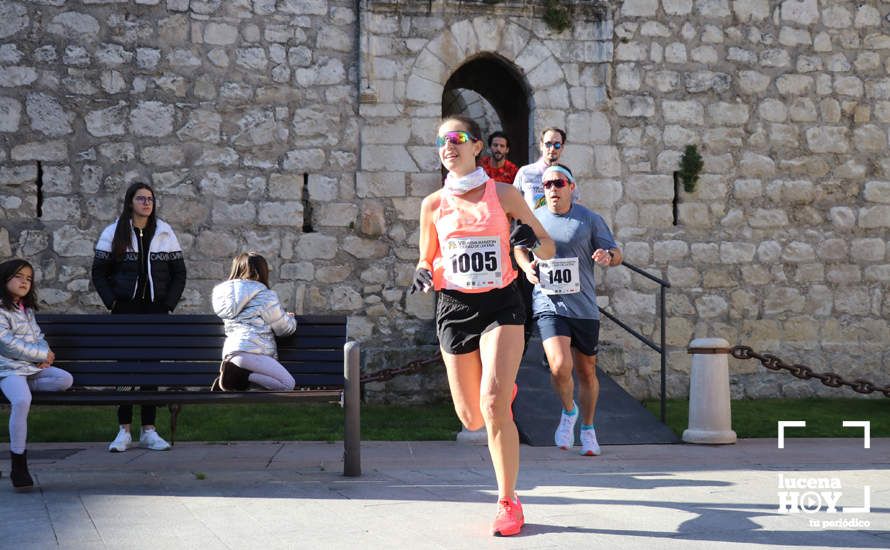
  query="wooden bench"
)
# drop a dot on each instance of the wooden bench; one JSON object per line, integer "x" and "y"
{"x": 108, "y": 354}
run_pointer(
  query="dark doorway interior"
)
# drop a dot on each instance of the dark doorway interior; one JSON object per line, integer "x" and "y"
{"x": 502, "y": 89}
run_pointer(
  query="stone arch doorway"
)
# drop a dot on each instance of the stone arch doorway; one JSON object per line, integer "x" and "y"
{"x": 492, "y": 90}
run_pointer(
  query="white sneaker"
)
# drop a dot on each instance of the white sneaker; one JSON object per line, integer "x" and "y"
{"x": 589, "y": 446}
{"x": 121, "y": 442}
{"x": 565, "y": 432}
{"x": 151, "y": 440}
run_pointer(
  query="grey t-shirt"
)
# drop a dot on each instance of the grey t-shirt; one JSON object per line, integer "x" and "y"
{"x": 577, "y": 233}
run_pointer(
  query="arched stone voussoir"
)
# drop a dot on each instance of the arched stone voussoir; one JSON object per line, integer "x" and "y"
{"x": 489, "y": 31}
{"x": 465, "y": 36}
{"x": 512, "y": 40}
{"x": 447, "y": 49}
{"x": 533, "y": 54}
{"x": 430, "y": 67}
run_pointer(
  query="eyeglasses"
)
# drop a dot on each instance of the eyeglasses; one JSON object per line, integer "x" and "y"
{"x": 144, "y": 200}
{"x": 559, "y": 184}
{"x": 549, "y": 144}
{"x": 458, "y": 137}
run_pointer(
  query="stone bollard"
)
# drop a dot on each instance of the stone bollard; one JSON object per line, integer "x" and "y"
{"x": 710, "y": 419}
{"x": 472, "y": 437}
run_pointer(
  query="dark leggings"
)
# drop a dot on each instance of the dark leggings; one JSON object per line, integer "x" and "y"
{"x": 148, "y": 413}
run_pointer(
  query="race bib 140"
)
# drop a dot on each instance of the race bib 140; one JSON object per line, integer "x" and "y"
{"x": 559, "y": 276}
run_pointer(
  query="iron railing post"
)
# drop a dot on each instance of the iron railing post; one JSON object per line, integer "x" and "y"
{"x": 663, "y": 358}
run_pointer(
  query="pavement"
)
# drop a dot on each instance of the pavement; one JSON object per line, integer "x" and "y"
{"x": 442, "y": 495}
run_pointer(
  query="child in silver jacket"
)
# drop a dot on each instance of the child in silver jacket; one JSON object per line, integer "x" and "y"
{"x": 25, "y": 361}
{"x": 253, "y": 316}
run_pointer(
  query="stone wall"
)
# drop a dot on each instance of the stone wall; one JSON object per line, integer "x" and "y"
{"x": 260, "y": 120}
{"x": 241, "y": 114}
{"x": 783, "y": 246}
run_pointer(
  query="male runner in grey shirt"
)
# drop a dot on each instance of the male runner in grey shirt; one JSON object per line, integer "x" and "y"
{"x": 564, "y": 301}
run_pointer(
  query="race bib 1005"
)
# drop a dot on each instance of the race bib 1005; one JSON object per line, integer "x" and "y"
{"x": 559, "y": 276}
{"x": 472, "y": 262}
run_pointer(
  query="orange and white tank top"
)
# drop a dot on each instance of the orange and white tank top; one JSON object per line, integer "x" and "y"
{"x": 474, "y": 244}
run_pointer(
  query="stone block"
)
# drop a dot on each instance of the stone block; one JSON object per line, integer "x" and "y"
{"x": 313, "y": 246}
{"x": 801, "y": 12}
{"x": 380, "y": 184}
{"x": 736, "y": 252}
{"x": 783, "y": 299}
{"x": 152, "y": 119}
{"x": 234, "y": 214}
{"x": 874, "y": 217}
{"x": 764, "y": 218}
{"x": 48, "y": 151}
{"x": 635, "y": 106}
{"x": 877, "y": 191}
{"x": 365, "y": 248}
{"x": 336, "y": 214}
{"x": 304, "y": 160}
{"x": 286, "y": 213}
{"x": 828, "y": 139}
{"x": 650, "y": 187}
{"x": 670, "y": 251}
{"x": 688, "y": 112}
{"x": 869, "y": 137}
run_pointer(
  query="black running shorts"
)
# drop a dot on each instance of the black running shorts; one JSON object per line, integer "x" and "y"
{"x": 461, "y": 318}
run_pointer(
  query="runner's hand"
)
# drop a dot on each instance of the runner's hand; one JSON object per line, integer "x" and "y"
{"x": 532, "y": 273}
{"x": 523, "y": 235}
{"x": 423, "y": 280}
{"x": 602, "y": 257}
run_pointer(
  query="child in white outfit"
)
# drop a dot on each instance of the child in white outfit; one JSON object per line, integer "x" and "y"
{"x": 25, "y": 361}
{"x": 253, "y": 316}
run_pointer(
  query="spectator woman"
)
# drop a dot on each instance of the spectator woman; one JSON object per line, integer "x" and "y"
{"x": 138, "y": 268}
{"x": 25, "y": 361}
{"x": 465, "y": 244}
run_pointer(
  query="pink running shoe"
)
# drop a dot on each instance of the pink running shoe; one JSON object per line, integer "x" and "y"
{"x": 510, "y": 518}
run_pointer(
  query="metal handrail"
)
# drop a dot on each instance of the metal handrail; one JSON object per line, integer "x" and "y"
{"x": 660, "y": 349}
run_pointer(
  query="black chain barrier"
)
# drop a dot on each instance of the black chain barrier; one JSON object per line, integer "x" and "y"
{"x": 411, "y": 368}
{"x": 804, "y": 372}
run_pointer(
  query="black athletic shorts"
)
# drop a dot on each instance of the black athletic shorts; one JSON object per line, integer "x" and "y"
{"x": 462, "y": 318}
{"x": 585, "y": 333}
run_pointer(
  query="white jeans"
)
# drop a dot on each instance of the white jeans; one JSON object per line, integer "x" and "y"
{"x": 17, "y": 390}
{"x": 265, "y": 371}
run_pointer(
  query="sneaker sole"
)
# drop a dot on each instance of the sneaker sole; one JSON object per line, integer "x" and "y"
{"x": 24, "y": 489}
{"x": 116, "y": 450}
{"x": 510, "y": 533}
{"x": 590, "y": 453}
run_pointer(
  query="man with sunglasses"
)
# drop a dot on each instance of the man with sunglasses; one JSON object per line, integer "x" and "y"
{"x": 564, "y": 301}
{"x": 528, "y": 181}
{"x": 528, "y": 178}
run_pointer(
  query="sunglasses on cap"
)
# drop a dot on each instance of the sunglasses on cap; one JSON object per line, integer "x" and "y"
{"x": 554, "y": 145}
{"x": 458, "y": 137}
{"x": 558, "y": 183}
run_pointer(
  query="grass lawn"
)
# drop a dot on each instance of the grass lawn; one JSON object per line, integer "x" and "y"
{"x": 248, "y": 422}
{"x": 321, "y": 422}
{"x": 759, "y": 417}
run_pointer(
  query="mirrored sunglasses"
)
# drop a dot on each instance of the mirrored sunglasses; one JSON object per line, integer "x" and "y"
{"x": 458, "y": 137}
{"x": 559, "y": 184}
{"x": 549, "y": 144}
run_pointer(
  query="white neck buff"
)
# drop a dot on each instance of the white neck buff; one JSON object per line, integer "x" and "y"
{"x": 461, "y": 185}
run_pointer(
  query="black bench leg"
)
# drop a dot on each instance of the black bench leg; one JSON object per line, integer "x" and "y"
{"x": 174, "y": 415}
